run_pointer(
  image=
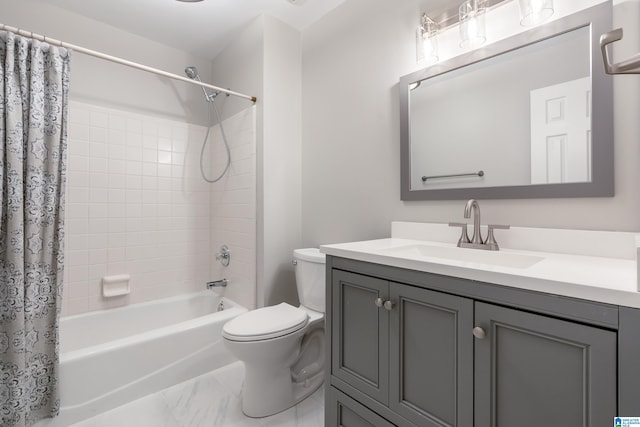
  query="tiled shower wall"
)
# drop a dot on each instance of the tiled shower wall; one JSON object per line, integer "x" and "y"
{"x": 136, "y": 205}
{"x": 233, "y": 207}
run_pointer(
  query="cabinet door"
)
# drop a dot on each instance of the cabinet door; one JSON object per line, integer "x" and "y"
{"x": 360, "y": 333}
{"x": 534, "y": 371}
{"x": 431, "y": 375}
{"x": 343, "y": 411}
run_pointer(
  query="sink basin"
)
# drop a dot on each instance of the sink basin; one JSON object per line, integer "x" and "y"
{"x": 476, "y": 256}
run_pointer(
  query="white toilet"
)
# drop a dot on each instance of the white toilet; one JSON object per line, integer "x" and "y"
{"x": 282, "y": 347}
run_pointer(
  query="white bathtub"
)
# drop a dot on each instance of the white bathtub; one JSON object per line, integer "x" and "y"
{"x": 112, "y": 357}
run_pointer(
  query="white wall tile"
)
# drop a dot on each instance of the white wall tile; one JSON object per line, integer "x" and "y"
{"x": 117, "y": 166}
{"x": 117, "y": 180}
{"x": 134, "y": 125}
{"x": 137, "y": 205}
{"x": 98, "y": 256}
{"x": 77, "y": 225}
{"x": 79, "y": 195}
{"x": 117, "y": 151}
{"x": 98, "y": 180}
{"x": 233, "y": 208}
{"x": 98, "y": 142}
{"x": 98, "y": 164}
{"x": 116, "y": 137}
{"x": 117, "y": 122}
{"x": 134, "y": 139}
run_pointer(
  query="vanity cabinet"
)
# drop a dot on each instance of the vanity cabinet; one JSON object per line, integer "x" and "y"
{"x": 418, "y": 349}
{"x": 382, "y": 347}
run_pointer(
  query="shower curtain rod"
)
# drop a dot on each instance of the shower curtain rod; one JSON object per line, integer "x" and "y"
{"x": 121, "y": 61}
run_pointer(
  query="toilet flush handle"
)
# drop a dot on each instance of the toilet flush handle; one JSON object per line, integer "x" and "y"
{"x": 294, "y": 261}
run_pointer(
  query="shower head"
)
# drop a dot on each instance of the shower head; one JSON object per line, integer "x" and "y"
{"x": 191, "y": 72}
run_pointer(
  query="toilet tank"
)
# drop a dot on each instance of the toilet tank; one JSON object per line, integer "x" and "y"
{"x": 310, "y": 278}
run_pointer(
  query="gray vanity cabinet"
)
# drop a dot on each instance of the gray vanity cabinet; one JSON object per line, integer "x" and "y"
{"x": 415, "y": 349}
{"x": 533, "y": 370}
{"x": 408, "y": 348}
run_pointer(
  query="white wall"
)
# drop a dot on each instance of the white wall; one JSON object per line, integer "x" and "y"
{"x": 240, "y": 66}
{"x": 352, "y": 60}
{"x": 264, "y": 61}
{"x": 280, "y": 183}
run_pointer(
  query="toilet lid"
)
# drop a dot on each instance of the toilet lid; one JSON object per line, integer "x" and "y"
{"x": 264, "y": 323}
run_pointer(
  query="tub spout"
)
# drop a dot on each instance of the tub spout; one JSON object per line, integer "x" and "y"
{"x": 217, "y": 283}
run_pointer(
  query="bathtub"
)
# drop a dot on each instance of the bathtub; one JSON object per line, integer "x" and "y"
{"x": 109, "y": 358}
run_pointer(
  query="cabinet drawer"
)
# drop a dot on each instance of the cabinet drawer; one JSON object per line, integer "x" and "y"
{"x": 343, "y": 411}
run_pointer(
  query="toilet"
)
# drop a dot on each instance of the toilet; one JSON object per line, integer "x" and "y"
{"x": 282, "y": 346}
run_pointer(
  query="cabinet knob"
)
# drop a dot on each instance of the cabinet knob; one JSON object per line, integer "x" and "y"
{"x": 388, "y": 305}
{"x": 379, "y": 302}
{"x": 479, "y": 333}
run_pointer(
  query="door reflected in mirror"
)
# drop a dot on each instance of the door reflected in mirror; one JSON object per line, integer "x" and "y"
{"x": 561, "y": 132}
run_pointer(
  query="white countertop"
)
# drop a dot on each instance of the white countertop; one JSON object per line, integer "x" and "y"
{"x": 606, "y": 274}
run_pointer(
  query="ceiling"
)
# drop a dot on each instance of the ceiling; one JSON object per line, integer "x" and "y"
{"x": 203, "y": 28}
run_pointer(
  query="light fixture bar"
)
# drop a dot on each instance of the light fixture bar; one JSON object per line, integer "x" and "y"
{"x": 450, "y": 17}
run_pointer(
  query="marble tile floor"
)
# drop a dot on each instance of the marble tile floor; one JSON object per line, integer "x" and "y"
{"x": 210, "y": 400}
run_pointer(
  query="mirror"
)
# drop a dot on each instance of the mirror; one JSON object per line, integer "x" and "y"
{"x": 530, "y": 116}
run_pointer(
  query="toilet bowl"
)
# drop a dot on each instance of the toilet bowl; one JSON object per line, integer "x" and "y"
{"x": 282, "y": 346}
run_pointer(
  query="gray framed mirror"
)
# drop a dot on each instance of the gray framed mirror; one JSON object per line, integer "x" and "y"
{"x": 530, "y": 116}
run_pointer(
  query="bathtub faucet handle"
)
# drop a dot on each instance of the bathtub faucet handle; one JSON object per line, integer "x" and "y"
{"x": 224, "y": 256}
{"x": 217, "y": 283}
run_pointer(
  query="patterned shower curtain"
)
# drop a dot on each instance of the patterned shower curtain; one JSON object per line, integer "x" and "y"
{"x": 33, "y": 140}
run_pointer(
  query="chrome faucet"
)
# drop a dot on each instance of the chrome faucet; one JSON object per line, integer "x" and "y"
{"x": 476, "y": 241}
{"x": 472, "y": 205}
{"x": 217, "y": 283}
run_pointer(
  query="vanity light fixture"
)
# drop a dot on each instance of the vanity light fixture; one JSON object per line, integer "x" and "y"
{"x": 533, "y": 12}
{"x": 470, "y": 16}
{"x": 427, "y": 41}
{"x": 472, "y": 23}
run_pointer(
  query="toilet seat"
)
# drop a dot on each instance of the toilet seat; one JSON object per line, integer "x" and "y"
{"x": 266, "y": 323}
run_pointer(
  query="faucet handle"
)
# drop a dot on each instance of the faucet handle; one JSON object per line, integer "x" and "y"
{"x": 464, "y": 237}
{"x": 491, "y": 240}
{"x": 224, "y": 256}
